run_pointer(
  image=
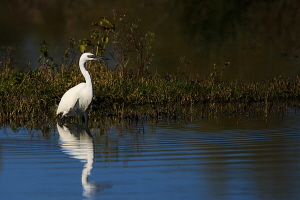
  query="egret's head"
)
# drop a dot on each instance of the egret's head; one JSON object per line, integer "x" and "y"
{"x": 89, "y": 56}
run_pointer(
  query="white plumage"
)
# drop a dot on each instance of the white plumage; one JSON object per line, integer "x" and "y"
{"x": 77, "y": 100}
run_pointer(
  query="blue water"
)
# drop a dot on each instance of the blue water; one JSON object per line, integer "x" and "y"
{"x": 207, "y": 159}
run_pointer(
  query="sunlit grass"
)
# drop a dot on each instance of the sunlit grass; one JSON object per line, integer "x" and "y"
{"x": 34, "y": 95}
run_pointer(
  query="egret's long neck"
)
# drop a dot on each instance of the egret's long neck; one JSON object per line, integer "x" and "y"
{"x": 85, "y": 73}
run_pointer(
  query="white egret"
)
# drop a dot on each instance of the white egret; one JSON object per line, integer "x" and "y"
{"x": 77, "y": 100}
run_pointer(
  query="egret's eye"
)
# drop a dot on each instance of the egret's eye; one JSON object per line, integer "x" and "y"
{"x": 91, "y": 56}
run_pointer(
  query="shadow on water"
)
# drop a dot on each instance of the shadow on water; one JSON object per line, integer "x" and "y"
{"x": 77, "y": 141}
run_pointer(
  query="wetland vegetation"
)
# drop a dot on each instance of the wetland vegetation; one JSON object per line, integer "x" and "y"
{"x": 128, "y": 90}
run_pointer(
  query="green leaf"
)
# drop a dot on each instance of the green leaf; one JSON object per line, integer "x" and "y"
{"x": 82, "y": 47}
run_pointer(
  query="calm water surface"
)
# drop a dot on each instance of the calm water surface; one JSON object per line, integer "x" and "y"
{"x": 207, "y": 159}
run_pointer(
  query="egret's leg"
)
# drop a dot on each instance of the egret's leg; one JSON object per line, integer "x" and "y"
{"x": 61, "y": 118}
{"x": 86, "y": 116}
{"x": 63, "y": 115}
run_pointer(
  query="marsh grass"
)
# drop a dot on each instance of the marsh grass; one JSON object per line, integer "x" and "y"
{"x": 129, "y": 91}
{"x": 33, "y": 96}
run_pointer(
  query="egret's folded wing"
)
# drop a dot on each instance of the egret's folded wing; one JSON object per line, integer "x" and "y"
{"x": 69, "y": 99}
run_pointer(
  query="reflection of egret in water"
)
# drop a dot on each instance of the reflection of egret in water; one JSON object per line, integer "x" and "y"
{"x": 77, "y": 141}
